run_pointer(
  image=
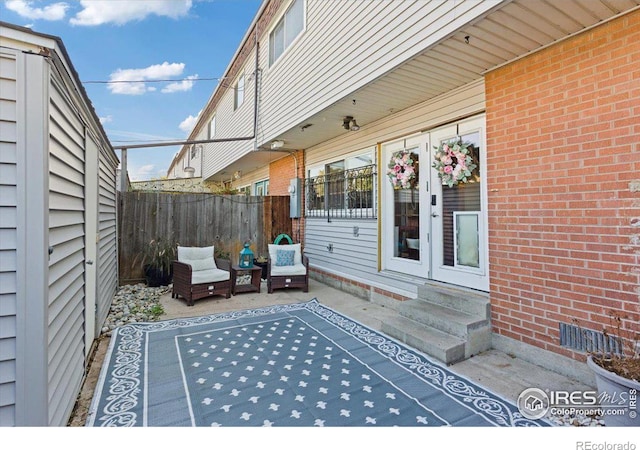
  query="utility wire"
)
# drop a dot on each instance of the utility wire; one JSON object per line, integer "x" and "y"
{"x": 151, "y": 81}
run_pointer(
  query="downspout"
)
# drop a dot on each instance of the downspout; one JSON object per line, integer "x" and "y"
{"x": 254, "y": 136}
{"x": 255, "y": 93}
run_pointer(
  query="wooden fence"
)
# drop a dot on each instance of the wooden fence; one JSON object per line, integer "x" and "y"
{"x": 197, "y": 220}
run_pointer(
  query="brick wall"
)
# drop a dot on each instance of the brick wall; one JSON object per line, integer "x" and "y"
{"x": 280, "y": 174}
{"x": 563, "y": 164}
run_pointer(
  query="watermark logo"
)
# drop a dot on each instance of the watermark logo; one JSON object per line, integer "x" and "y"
{"x": 533, "y": 403}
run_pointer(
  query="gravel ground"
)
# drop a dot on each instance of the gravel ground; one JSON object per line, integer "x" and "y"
{"x": 134, "y": 303}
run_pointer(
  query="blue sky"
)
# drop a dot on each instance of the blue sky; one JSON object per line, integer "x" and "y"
{"x": 109, "y": 40}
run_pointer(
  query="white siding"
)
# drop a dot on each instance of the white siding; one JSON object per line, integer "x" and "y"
{"x": 357, "y": 257}
{"x": 347, "y": 45}
{"x": 231, "y": 123}
{"x": 107, "y": 234}
{"x": 44, "y": 118}
{"x": 66, "y": 301}
{"x": 8, "y": 237}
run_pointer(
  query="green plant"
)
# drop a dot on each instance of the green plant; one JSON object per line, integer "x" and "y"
{"x": 221, "y": 253}
{"x": 158, "y": 254}
{"x": 156, "y": 311}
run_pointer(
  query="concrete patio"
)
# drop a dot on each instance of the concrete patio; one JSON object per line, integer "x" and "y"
{"x": 496, "y": 371}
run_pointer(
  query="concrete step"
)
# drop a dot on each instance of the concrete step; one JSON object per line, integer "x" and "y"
{"x": 442, "y": 346}
{"x": 442, "y": 318}
{"x": 461, "y": 299}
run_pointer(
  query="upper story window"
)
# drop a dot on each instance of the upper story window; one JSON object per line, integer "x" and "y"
{"x": 343, "y": 189}
{"x": 194, "y": 151}
{"x": 212, "y": 127}
{"x": 286, "y": 30}
{"x": 238, "y": 92}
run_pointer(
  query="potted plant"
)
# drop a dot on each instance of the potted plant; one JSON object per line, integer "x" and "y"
{"x": 617, "y": 372}
{"x": 157, "y": 262}
{"x": 262, "y": 262}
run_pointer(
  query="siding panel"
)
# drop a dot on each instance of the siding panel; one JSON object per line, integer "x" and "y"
{"x": 231, "y": 123}
{"x": 66, "y": 266}
{"x": 107, "y": 235}
{"x": 8, "y": 236}
{"x": 388, "y": 33}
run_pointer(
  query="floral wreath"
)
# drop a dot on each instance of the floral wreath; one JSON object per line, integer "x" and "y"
{"x": 402, "y": 170}
{"x": 454, "y": 163}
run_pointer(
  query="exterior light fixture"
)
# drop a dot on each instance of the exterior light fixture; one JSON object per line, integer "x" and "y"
{"x": 349, "y": 123}
{"x": 277, "y": 144}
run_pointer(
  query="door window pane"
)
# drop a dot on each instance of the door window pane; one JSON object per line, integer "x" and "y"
{"x": 460, "y": 198}
{"x": 467, "y": 239}
{"x": 406, "y": 217}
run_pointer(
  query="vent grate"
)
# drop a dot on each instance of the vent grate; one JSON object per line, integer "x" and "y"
{"x": 585, "y": 340}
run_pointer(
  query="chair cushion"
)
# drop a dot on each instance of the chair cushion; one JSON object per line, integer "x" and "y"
{"x": 209, "y": 276}
{"x": 284, "y": 257}
{"x": 296, "y": 269}
{"x": 297, "y": 256}
{"x": 200, "y": 258}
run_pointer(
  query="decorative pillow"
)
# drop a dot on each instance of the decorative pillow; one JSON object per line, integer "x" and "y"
{"x": 285, "y": 257}
{"x": 200, "y": 258}
{"x": 297, "y": 259}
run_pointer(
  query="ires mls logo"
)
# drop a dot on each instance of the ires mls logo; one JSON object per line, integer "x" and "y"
{"x": 534, "y": 403}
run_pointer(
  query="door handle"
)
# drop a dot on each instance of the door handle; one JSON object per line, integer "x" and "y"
{"x": 434, "y": 214}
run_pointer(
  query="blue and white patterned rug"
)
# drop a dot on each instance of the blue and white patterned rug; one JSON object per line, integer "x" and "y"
{"x": 302, "y": 364}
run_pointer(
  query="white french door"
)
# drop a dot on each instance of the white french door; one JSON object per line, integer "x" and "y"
{"x": 459, "y": 213}
{"x": 405, "y": 228}
{"x": 432, "y": 230}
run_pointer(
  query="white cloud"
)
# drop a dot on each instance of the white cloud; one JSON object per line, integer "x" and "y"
{"x": 98, "y": 12}
{"x": 142, "y": 173}
{"x": 106, "y": 119}
{"x": 55, "y": 11}
{"x": 187, "y": 124}
{"x": 124, "y": 78}
{"x": 180, "y": 86}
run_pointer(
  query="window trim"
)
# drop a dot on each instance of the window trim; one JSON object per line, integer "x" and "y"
{"x": 265, "y": 185}
{"x": 238, "y": 99}
{"x": 244, "y": 189}
{"x": 273, "y": 62}
{"x": 212, "y": 122}
{"x": 369, "y": 213}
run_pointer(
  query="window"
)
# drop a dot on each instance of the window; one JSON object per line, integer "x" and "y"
{"x": 212, "y": 127}
{"x": 262, "y": 188}
{"x": 194, "y": 151}
{"x": 238, "y": 92}
{"x": 342, "y": 189}
{"x": 286, "y": 30}
{"x": 245, "y": 190}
